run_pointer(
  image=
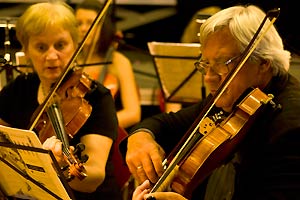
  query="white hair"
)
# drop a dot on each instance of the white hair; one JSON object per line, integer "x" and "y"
{"x": 243, "y": 23}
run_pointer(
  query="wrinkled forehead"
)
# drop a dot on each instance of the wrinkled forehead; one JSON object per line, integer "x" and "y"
{"x": 221, "y": 41}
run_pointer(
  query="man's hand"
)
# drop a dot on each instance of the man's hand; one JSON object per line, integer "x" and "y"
{"x": 144, "y": 157}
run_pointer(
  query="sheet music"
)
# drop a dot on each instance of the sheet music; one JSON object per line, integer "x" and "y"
{"x": 34, "y": 165}
{"x": 174, "y": 62}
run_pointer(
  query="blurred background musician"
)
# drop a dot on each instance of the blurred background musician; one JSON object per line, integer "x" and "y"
{"x": 102, "y": 47}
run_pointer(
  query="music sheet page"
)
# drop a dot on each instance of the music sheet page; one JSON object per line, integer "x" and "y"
{"x": 24, "y": 171}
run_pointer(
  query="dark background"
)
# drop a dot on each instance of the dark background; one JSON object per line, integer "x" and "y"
{"x": 170, "y": 29}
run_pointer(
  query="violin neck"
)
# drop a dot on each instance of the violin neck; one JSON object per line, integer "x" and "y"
{"x": 56, "y": 118}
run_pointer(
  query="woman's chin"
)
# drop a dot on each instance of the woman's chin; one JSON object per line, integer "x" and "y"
{"x": 54, "y": 77}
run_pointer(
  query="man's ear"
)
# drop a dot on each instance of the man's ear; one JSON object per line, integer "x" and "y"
{"x": 265, "y": 65}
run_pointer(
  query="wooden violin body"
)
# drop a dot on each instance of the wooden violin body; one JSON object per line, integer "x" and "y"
{"x": 217, "y": 142}
{"x": 75, "y": 109}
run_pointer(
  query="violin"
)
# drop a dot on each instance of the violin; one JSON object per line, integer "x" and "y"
{"x": 63, "y": 118}
{"x": 74, "y": 108}
{"x": 218, "y": 139}
{"x": 64, "y": 111}
{"x": 213, "y": 137}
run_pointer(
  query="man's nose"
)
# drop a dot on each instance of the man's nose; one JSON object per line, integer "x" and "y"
{"x": 211, "y": 76}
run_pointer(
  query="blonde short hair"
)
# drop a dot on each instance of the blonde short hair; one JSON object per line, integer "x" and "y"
{"x": 42, "y": 16}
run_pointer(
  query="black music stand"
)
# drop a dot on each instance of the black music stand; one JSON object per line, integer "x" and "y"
{"x": 27, "y": 170}
{"x": 174, "y": 65}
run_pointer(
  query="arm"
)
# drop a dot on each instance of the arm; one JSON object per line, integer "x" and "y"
{"x": 130, "y": 114}
{"x": 97, "y": 135}
{"x": 97, "y": 147}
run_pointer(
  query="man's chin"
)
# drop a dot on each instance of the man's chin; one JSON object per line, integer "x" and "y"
{"x": 226, "y": 108}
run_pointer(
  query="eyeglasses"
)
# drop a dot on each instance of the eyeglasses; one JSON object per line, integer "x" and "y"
{"x": 220, "y": 68}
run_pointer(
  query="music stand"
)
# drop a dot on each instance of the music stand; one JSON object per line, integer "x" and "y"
{"x": 10, "y": 44}
{"x": 27, "y": 170}
{"x": 174, "y": 65}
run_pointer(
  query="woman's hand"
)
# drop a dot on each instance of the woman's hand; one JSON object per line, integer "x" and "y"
{"x": 142, "y": 193}
{"x": 144, "y": 157}
{"x": 55, "y": 145}
{"x": 141, "y": 190}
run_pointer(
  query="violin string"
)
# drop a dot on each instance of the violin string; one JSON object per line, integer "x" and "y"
{"x": 59, "y": 132}
{"x": 65, "y": 150}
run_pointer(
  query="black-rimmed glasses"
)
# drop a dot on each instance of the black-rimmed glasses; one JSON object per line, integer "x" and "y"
{"x": 220, "y": 68}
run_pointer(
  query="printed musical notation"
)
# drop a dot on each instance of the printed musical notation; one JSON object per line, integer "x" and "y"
{"x": 27, "y": 170}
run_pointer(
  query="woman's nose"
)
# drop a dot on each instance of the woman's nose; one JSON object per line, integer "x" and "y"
{"x": 51, "y": 54}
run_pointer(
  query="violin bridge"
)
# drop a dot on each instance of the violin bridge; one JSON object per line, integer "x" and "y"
{"x": 206, "y": 126}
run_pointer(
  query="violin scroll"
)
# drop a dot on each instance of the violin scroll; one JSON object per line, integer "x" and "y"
{"x": 75, "y": 161}
{"x": 76, "y": 170}
{"x": 75, "y": 165}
